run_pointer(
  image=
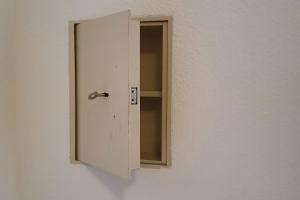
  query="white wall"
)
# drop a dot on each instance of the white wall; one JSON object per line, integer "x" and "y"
{"x": 236, "y": 102}
{"x": 8, "y": 170}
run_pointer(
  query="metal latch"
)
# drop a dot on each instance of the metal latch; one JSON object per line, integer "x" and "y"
{"x": 134, "y": 95}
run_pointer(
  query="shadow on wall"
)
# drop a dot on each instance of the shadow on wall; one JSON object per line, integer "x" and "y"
{"x": 115, "y": 184}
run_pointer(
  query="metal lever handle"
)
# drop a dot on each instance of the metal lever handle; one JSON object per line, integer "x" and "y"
{"x": 96, "y": 94}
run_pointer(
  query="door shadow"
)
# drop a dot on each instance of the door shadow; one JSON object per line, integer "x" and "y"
{"x": 115, "y": 184}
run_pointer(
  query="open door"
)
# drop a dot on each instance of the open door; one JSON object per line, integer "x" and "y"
{"x": 107, "y": 81}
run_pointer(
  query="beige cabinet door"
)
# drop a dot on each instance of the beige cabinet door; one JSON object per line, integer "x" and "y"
{"x": 107, "y": 67}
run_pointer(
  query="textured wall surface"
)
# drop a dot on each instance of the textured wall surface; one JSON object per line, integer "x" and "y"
{"x": 8, "y": 157}
{"x": 236, "y": 102}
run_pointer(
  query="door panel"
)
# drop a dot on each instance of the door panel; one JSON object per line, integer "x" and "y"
{"x": 102, "y": 65}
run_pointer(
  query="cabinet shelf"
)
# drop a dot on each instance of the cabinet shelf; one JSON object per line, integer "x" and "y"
{"x": 151, "y": 94}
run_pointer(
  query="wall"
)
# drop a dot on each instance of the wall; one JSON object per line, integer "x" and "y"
{"x": 236, "y": 102}
{"x": 8, "y": 170}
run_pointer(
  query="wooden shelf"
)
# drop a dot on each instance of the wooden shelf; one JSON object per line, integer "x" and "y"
{"x": 152, "y": 162}
{"x": 151, "y": 94}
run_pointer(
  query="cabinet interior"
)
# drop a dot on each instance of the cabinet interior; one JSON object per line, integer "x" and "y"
{"x": 153, "y": 92}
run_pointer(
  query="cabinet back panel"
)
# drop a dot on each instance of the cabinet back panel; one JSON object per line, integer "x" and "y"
{"x": 151, "y": 126}
{"x": 151, "y": 58}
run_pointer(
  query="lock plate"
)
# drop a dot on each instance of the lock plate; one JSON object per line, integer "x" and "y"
{"x": 134, "y": 95}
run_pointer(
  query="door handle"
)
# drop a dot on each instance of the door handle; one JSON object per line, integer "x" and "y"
{"x": 95, "y": 94}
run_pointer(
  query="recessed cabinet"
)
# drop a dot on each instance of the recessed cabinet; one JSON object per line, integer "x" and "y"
{"x": 120, "y": 92}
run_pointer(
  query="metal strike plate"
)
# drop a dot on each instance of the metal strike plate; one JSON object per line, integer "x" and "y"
{"x": 134, "y": 95}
